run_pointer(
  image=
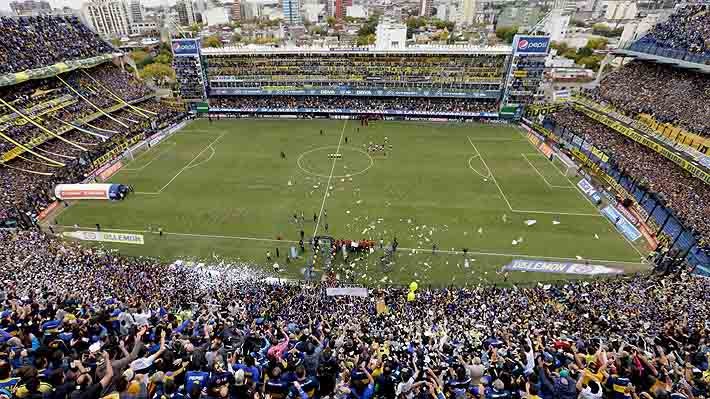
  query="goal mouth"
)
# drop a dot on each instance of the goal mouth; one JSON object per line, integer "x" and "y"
{"x": 566, "y": 165}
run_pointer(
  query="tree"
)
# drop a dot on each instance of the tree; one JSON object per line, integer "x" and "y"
{"x": 416, "y": 22}
{"x": 236, "y": 38}
{"x": 369, "y": 27}
{"x": 507, "y": 33}
{"x": 366, "y": 40}
{"x": 561, "y": 47}
{"x": 584, "y": 52}
{"x": 141, "y": 58}
{"x": 597, "y": 43}
{"x": 160, "y": 73}
{"x": 116, "y": 42}
{"x": 571, "y": 54}
{"x": 592, "y": 62}
{"x": 163, "y": 59}
{"x": 195, "y": 28}
{"x": 331, "y": 21}
{"x": 212, "y": 41}
{"x": 442, "y": 36}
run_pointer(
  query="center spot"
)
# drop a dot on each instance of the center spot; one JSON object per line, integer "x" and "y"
{"x": 349, "y": 161}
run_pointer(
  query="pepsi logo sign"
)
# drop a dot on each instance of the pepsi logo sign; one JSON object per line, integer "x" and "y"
{"x": 185, "y": 47}
{"x": 524, "y": 44}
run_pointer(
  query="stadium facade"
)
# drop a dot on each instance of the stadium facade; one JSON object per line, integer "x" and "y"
{"x": 436, "y": 81}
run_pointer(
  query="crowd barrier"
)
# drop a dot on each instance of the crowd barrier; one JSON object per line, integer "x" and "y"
{"x": 651, "y": 46}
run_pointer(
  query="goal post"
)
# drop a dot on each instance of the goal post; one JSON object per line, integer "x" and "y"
{"x": 564, "y": 164}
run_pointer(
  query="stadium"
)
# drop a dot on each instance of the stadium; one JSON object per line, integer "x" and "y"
{"x": 353, "y": 222}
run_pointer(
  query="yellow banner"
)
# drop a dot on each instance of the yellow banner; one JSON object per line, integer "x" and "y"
{"x": 677, "y": 134}
{"x": 643, "y": 140}
{"x": 115, "y": 152}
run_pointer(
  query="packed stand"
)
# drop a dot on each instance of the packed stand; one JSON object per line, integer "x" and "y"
{"x": 27, "y": 185}
{"x": 59, "y": 106}
{"x": 84, "y": 323}
{"x": 686, "y": 195}
{"x": 359, "y": 104}
{"x": 687, "y": 29}
{"x": 40, "y": 41}
{"x": 395, "y": 70}
{"x": 668, "y": 94}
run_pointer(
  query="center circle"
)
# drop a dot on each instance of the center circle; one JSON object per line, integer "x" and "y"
{"x": 343, "y": 161}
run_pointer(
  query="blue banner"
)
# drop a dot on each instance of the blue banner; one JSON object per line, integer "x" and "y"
{"x": 541, "y": 266}
{"x": 186, "y": 47}
{"x": 354, "y": 111}
{"x": 256, "y": 91}
{"x": 533, "y": 45}
{"x": 621, "y": 223}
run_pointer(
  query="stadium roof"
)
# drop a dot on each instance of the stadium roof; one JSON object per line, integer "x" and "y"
{"x": 675, "y": 62}
{"x": 451, "y": 49}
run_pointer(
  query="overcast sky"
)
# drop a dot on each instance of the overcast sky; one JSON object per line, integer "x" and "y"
{"x": 5, "y": 4}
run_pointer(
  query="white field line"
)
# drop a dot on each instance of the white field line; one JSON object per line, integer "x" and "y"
{"x": 643, "y": 260}
{"x": 560, "y": 171}
{"x": 542, "y": 176}
{"x": 206, "y": 160}
{"x": 499, "y": 139}
{"x": 490, "y": 172}
{"x": 189, "y": 163}
{"x": 327, "y": 186}
{"x": 474, "y": 169}
{"x": 425, "y": 250}
{"x": 160, "y": 154}
{"x": 520, "y": 210}
{"x": 214, "y": 236}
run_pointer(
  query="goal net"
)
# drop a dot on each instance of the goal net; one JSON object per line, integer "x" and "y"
{"x": 564, "y": 164}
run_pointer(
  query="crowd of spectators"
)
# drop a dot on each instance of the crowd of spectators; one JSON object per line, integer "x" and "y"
{"x": 668, "y": 94}
{"x": 35, "y": 98}
{"x": 687, "y": 29}
{"x": 358, "y": 68}
{"x": 688, "y": 196}
{"x": 360, "y": 104}
{"x": 34, "y": 42}
{"x": 27, "y": 183}
{"x": 86, "y": 323}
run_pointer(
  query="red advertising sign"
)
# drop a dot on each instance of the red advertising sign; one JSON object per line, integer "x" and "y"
{"x": 108, "y": 172}
{"x": 46, "y": 211}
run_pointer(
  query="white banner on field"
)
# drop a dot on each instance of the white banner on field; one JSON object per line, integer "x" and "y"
{"x": 105, "y": 236}
{"x": 347, "y": 291}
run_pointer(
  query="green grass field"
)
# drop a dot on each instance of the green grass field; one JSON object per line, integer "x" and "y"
{"x": 221, "y": 189}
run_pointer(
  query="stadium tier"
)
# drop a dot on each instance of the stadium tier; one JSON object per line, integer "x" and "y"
{"x": 54, "y": 124}
{"x": 87, "y": 321}
{"x": 28, "y": 43}
{"x": 472, "y": 73}
{"x": 669, "y": 94}
{"x": 685, "y": 35}
{"x": 477, "y": 81}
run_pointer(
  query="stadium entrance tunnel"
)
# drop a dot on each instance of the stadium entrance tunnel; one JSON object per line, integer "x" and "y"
{"x": 343, "y": 161}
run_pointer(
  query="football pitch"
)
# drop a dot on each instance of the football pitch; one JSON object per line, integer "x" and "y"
{"x": 222, "y": 190}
